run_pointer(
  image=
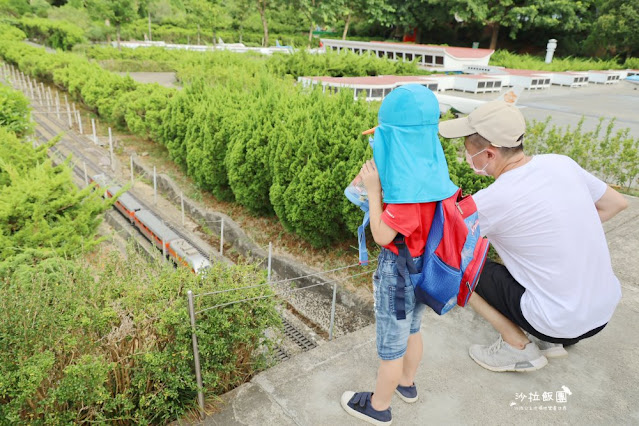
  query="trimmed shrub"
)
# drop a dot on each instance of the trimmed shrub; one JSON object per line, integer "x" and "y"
{"x": 15, "y": 113}
{"x": 57, "y": 34}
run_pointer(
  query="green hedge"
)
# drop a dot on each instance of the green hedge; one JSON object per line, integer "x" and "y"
{"x": 248, "y": 135}
{"x": 299, "y": 63}
{"x": 11, "y": 32}
{"x": 342, "y": 64}
{"x": 15, "y": 113}
{"x": 511, "y": 60}
{"x": 57, "y": 34}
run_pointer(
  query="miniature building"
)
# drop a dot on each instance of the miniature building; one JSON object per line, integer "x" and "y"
{"x": 478, "y": 83}
{"x": 374, "y": 88}
{"x": 604, "y": 77}
{"x": 570, "y": 79}
{"x": 427, "y": 56}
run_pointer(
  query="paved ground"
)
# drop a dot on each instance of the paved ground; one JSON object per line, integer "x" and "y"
{"x": 566, "y": 105}
{"x": 598, "y": 379}
{"x": 166, "y": 79}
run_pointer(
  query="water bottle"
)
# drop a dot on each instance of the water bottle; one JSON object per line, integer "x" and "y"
{"x": 356, "y": 193}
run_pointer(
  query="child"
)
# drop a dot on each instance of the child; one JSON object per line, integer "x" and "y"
{"x": 409, "y": 165}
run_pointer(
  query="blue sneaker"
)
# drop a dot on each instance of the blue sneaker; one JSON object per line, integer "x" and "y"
{"x": 359, "y": 405}
{"x": 407, "y": 393}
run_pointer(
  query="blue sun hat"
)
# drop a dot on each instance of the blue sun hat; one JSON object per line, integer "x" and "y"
{"x": 407, "y": 152}
{"x": 406, "y": 148}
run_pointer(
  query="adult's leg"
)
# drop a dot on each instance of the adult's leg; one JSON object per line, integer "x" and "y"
{"x": 510, "y": 332}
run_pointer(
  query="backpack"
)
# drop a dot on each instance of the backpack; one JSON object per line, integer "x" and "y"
{"x": 453, "y": 258}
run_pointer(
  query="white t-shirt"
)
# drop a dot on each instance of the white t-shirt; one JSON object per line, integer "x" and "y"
{"x": 542, "y": 220}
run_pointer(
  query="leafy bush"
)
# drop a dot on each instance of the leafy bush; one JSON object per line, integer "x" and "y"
{"x": 342, "y": 64}
{"x": 9, "y": 32}
{"x": 14, "y": 8}
{"x": 631, "y": 63}
{"x": 15, "y": 114}
{"x": 510, "y": 60}
{"x": 42, "y": 212}
{"x": 111, "y": 341}
{"x": 613, "y": 156}
{"x": 57, "y": 34}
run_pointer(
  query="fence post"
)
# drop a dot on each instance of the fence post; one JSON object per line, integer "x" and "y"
{"x": 222, "y": 237}
{"x": 74, "y": 112}
{"x": 155, "y": 187}
{"x": 39, "y": 93}
{"x": 86, "y": 176}
{"x": 111, "y": 150}
{"x": 95, "y": 136}
{"x": 66, "y": 101}
{"x": 182, "y": 204}
{"x": 132, "y": 180}
{"x": 270, "y": 254}
{"x": 330, "y": 329}
{"x": 57, "y": 105}
{"x": 31, "y": 89}
{"x": 196, "y": 356}
{"x": 79, "y": 118}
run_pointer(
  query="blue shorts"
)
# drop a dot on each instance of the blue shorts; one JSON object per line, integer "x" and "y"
{"x": 392, "y": 334}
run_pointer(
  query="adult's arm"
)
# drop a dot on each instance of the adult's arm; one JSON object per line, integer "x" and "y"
{"x": 610, "y": 203}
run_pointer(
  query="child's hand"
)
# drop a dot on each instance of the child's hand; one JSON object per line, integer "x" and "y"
{"x": 370, "y": 177}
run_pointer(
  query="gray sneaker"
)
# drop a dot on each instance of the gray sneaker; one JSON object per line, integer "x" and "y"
{"x": 500, "y": 356}
{"x": 549, "y": 350}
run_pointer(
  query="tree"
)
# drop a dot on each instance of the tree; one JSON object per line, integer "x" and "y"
{"x": 617, "y": 27}
{"x": 239, "y": 12}
{"x": 117, "y": 12}
{"x": 370, "y": 10}
{"x": 262, "y": 5}
{"x": 417, "y": 14}
{"x": 518, "y": 14}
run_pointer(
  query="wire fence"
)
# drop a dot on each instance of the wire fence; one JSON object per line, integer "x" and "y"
{"x": 50, "y": 105}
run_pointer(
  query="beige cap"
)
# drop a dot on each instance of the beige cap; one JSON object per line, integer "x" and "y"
{"x": 499, "y": 122}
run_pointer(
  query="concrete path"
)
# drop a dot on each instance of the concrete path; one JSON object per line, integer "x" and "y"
{"x": 566, "y": 106}
{"x": 599, "y": 380}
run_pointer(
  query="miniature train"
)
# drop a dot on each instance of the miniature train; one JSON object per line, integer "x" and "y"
{"x": 160, "y": 235}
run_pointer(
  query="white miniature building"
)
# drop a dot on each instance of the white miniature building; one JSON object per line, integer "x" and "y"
{"x": 427, "y": 56}
{"x": 570, "y": 78}
{"x": 477, "y": 83}
{"x": 529, "y": 79}
{"x": 374, "y": 88}
{"x": 604, "y": 77}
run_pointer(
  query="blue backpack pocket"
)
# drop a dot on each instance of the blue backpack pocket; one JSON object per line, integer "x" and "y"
{"x": 438, "y": 285}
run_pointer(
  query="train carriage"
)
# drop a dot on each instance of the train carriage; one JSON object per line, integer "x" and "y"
{"x": 188, "y": 255}
{"x": 154, "y": 229}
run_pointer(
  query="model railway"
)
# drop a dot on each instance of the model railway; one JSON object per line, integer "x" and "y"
{"x": 161, "y": 235}
{"x": 168, "y": 240}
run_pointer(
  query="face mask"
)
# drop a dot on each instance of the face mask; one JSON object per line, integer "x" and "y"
{"x": 469, "y": 160}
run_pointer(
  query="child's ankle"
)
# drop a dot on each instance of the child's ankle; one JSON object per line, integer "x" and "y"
{"x": 376, "y": 406}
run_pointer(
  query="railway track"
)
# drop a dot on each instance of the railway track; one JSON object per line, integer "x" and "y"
{"x": 47, "y": 128}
